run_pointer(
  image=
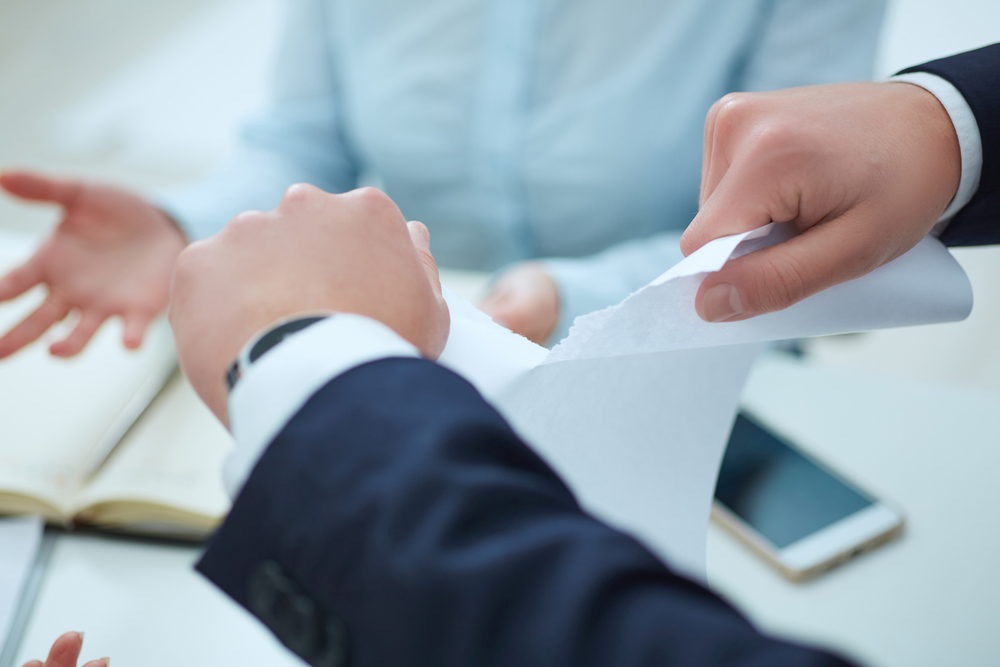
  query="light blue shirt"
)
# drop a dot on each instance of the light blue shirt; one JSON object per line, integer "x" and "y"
{"x": 519, "y": 129}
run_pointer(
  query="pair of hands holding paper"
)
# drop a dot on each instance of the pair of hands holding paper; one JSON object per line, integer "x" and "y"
{"x": 863, "y": 169}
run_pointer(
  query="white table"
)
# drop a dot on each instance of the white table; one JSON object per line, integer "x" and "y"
{"x": 930, "y": 598}
{"x": 144, "y": 605}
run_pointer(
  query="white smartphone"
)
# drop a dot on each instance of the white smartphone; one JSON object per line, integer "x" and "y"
{"x": 795, "y": 512}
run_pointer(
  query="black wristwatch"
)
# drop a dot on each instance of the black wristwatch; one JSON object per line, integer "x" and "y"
{"x": 257, "y": 346}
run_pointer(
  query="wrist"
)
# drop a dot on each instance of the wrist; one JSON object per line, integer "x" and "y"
{"x": 268, "y": 338}
{"x": 941, "y": 142}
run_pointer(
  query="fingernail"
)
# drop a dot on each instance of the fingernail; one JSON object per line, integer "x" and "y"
{"x": 81, "y": 634}
{"x": 721, "y": 303}
{"x": 422, "y": 229}
{"x": 107, "y": 662}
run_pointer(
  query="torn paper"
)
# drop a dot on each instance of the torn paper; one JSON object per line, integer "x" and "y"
{"x": 634, "y": 408}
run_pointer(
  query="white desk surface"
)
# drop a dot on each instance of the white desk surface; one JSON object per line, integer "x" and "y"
{"x": 930, "y": 598}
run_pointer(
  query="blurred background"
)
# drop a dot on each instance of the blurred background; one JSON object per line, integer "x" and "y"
{"x": 150, "y": 94}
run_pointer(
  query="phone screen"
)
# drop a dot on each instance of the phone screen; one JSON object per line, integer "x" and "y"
{"x": 775, "y": 489}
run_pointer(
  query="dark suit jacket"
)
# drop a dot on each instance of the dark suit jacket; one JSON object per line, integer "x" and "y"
{"x": 397, "y": 520}
{"x": 976, "y": 75}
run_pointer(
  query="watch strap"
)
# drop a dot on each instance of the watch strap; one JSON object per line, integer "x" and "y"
{"x": 260, "y": 344}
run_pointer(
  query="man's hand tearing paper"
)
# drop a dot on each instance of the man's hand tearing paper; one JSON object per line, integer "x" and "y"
{"x": 864, "y": 170}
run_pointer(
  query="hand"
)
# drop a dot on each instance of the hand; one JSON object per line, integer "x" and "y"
{"x": 525, "y": 299}
{"x": 112, "y": 254}
{"x": 351, "y": 253}
{"x": 864, "y": 170}
{"x": 65, "y": 652}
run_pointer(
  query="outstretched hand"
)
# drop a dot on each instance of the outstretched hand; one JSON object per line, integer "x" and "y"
{"x": 352, "y": 252}
{"x": 112, "y": 254}
{"x": 864, "y": 170}
{"x": 65, "y": 652}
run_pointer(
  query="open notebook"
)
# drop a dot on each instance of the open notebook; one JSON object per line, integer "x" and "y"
{"x": 59, "y": 420}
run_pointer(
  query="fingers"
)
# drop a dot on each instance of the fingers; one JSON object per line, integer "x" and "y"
{"x": 421, "y": 238}
{"x": 743, "y": 199}
{"x": 525, "y": 300}
{"x": 35, "y": 187}
{"x": 777, "y": 277}
{"x": 497, "y": 304}
{"x": 85, "y": 329}
{"x": 438, "y": 330}
{"x": 19, "y": 280}
{"x": 136, "y": 324}
{"x": 708, "y": 149}
{"x": 65, "y": 650}
{"x": 52, "y": 310}
{"x": 751, "y": 170}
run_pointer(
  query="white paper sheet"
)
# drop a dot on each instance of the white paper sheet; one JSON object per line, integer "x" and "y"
{"x": 923, "y": 286}
{"x": 634, "y": 408}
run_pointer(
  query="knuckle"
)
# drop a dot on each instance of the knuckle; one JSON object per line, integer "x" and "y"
{"x": 731, "y": 111}
{"x": 243, "y": 220}
{"x": 746, "y": 118}
{"x": 370, "y": 196}
{"x": 189, "y": 259}
{"x": 300, "y": 193}
{"x": 374, "y": 202}
{"x": 780, "y": 136}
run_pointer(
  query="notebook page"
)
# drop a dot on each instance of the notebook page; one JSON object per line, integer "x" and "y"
{"x": 166, "y": 474}
{"x": 57, "y": 412}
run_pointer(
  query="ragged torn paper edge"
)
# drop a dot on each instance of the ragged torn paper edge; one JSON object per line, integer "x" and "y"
{"x": 923, "y": 286}
{"x": 633, "y": 410}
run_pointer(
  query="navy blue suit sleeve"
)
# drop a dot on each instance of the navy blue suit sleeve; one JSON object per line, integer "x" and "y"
{"x": 976, "y": 75}
{"x": 397, "y": 520}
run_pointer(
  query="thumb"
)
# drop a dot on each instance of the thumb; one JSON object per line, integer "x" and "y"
{"x": 777, "y": 277}
{"x": 35, "y": 187}
{"x": 440, "y": 323}
{"x": 420, "y": 236}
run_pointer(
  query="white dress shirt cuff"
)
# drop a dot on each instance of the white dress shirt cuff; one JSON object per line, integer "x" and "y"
{"x": 969, "y": 140}
{"x": 278, "y": 384}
